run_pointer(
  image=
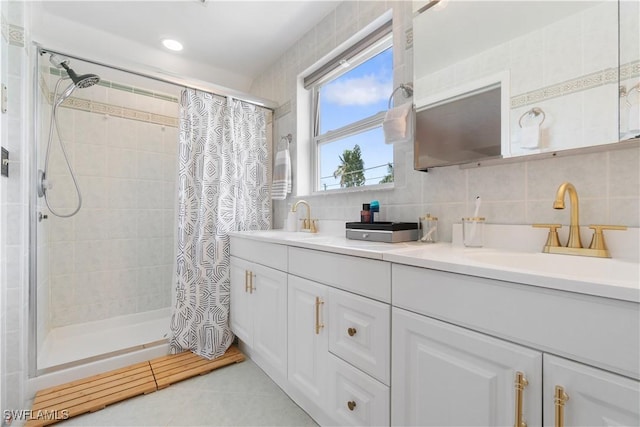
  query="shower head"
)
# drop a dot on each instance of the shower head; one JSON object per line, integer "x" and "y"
{"x": 83, "y": 81}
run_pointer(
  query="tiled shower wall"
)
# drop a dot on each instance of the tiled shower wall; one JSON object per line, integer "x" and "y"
{"x": 114, "y": 257}
{"x": 608, "y": 182}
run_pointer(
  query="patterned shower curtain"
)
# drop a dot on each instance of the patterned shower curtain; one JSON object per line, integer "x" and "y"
{"x": 223, "y": 186}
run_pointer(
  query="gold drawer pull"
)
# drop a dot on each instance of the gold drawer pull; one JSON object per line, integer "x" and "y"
{"x": 351, "y": 405}
{"x": 351, "y": 331}
{"x": 560, "y": 399}
{"x": 520, "y": 383}
{"x": 319, "y": 325}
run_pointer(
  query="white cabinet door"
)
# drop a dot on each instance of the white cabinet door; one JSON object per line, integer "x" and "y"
{"x": 444, "y": 375}
{"x": 356, "y": 399}
{"x": 268, "y": 296}
{"x": 308, "y": 339}
{"x": 240, "y": 304}
{"x": 595, "y": 397}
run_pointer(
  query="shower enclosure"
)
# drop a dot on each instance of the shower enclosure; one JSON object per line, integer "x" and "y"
{"x": 102, "y": 278}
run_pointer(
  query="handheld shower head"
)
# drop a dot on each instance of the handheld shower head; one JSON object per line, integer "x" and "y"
{"x": 83, "y": 81}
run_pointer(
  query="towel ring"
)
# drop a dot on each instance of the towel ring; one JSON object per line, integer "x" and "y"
{"x": 534, "y": 112}
{"x": 407, "y": 92}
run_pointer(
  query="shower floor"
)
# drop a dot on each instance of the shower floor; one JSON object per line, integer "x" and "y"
{"x": 71, "y": 344}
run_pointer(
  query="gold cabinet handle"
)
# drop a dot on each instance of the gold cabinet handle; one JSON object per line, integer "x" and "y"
{"x": 351, "y": 405}
{"x": 352, "y": 331}
{"x": 246, "y": 280}
{"x": 520, "y": 383}
{"x": 251, "y": 288}
{"x": 560, "y": 399}
{"x": 319, "y": 325}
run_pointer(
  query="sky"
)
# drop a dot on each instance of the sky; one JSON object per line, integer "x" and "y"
{"x": 357, "y": 94}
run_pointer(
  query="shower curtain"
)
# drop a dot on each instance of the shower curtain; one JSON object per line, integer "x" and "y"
{"x": 223, "y": 186}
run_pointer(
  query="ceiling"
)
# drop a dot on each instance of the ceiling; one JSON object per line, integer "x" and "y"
{"x": 243, "y": 38}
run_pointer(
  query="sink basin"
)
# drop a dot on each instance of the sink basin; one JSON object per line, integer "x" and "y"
{"x": 594, "y": 269}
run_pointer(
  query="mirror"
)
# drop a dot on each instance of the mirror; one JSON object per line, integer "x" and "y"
{"x": 556, "y": 62}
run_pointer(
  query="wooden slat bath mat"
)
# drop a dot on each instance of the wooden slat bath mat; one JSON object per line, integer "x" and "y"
{"x": 91, "y": 394}
{"x": 177, "y": 367}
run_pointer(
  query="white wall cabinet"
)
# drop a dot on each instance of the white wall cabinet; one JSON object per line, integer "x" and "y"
{"x": 444, "y": 375}
{"x": 259, "y": 313}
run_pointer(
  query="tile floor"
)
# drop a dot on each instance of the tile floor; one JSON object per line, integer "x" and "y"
{"x": 236, "y": 395}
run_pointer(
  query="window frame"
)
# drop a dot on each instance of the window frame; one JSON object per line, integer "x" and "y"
{"x": 360, "y": 126}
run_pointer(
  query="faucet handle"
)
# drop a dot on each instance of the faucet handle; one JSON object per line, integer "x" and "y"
{"x": 552, "y": 238}
{"x": 597, "y": 241}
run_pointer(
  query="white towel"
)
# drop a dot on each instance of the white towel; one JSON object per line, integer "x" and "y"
{"x": 530, "y": 136}
{"x": 281, "y": 176}
{"x": 397, "y": 124}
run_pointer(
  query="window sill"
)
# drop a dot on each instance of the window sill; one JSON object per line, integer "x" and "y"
{"x": 367, "y": 188}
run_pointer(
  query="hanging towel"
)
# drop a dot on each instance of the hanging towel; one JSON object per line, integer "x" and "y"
{"x": 281, "y": 175}
{"x": 397, "y": 124}
{"x": 530, "y": 136}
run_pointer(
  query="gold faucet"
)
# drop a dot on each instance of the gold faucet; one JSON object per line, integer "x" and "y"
{"x": 574, "y": 225}
{"x": 308, "y": 224}
{"x": 597, "y": 248}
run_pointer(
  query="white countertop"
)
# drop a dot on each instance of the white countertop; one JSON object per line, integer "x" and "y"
{"x": 610, "y": 278}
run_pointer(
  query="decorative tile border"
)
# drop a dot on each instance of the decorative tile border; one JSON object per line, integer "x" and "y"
{"x": 630, "y": 70}
{"x": 4, "y": 26}
{"x": 408, "y": 35}
{"x": 599, "y": 78}
{"x": 114, "y": 110}
{"x": 117, "y": 111}
{"x": 16, "y": 35}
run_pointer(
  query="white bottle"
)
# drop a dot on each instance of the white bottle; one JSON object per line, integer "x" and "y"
{"x": 292, "y": 220}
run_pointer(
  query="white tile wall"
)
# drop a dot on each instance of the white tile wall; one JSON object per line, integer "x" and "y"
{"x": 520, "y": 193}
{"x": 13, "y": 204}
{"x": 110, "y": 258}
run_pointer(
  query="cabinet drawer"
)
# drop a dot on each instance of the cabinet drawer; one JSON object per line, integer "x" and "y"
{"x": 269, "y": 254}
{"x": 362, "y": 276}
{"x": 356, "y": 398}
{"x": 359, "y": 332}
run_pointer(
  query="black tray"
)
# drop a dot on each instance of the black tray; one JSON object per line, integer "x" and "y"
{"x": 382, "y": 226}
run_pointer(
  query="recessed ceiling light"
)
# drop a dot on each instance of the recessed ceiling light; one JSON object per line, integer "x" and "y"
{"x": 172, "y": 44}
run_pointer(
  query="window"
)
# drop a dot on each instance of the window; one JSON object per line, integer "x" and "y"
{"x": 350, "y": 98}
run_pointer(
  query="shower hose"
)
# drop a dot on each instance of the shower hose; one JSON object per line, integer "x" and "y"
{"x": 44, "y": 185}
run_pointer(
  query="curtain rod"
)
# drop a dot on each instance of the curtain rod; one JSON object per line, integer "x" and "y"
{"x": 176, "y": 81}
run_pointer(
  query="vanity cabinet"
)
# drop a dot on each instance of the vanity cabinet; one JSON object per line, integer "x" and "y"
{"x": 460, "y": 341}
{"x": 258, "y": 305}
{"x": 339, "y": 337}
{"x": 444, "y": 375}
